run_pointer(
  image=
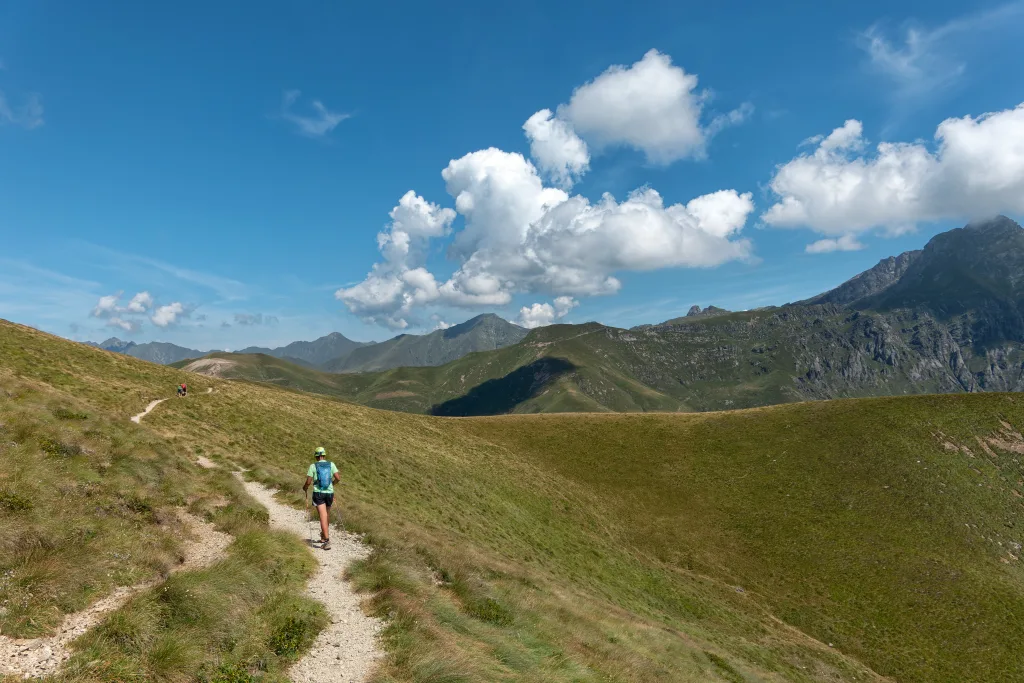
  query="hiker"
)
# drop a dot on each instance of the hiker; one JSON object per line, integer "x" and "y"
{"x": 184, "y": 389}
{"x": 181, "y": 390}
{"x": 322, "y": 474}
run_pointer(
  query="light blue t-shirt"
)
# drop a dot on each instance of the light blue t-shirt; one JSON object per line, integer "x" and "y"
{"x": 311, "y": 472}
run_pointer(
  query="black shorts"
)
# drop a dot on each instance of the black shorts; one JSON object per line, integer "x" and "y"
{"x": 323, "y": 499}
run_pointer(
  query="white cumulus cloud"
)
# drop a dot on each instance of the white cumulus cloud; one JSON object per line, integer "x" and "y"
{"x": 110, "y": 305}
{"x": 975, "y": 168}
{"x": 165, "y": 316}
{"x": 107, "y": 305}
{"x": 520, "y": 234}
{"x": 129, "y": 326}
{"x": 556, "y": 148}
{"x": 140, "y": 303}
{"x": 399, "y": 283}
{"x": 827, "y": 245}
{"x": 540, "y": 315}
{"x": 652, "y": 106}
{"x": 537, "y": 315}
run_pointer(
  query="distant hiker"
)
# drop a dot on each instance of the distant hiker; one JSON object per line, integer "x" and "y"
{"x": 181, "y": 390}
{"x": 322, "y": 474}
{"x": 184, "y": 389}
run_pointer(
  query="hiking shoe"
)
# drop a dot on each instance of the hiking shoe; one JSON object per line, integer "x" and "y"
{"x": 326, "y": 545}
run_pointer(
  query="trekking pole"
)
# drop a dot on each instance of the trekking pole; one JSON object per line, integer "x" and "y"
{"x": 311, "y": 519}
{"x": 306, "y": 514}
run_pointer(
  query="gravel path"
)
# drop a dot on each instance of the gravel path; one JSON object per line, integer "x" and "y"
{"x": 347, "y": 649}
{"x": 152, "y": 404}
{"x": 36, "y": 657}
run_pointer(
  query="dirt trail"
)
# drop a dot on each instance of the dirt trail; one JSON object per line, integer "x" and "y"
{"x": 347, "y": 649}
{"x": 36, "y": 657}
{"x": 152, "y": 404}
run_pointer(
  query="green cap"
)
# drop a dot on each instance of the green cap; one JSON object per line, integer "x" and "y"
{"x": 320, "y": 452}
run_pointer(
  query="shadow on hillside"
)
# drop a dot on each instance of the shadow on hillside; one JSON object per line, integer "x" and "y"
{"x": 497, "y": 396}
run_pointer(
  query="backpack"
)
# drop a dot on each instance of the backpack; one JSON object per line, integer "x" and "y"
{"x": 323, "y": 475}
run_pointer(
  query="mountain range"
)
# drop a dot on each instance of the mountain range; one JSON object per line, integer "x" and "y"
{"x": 946, "y": 318}
{"x": 315, "y": 353}
{"x": 482, "y": 333}
{"x": 336, "y": 353}
{"x": 162, "y": 353}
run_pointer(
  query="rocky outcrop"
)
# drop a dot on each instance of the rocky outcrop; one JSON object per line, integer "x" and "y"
{"x": 869, "y": 283}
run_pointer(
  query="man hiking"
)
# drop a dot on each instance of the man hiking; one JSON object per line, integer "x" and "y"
{"x": 322, "y": 474}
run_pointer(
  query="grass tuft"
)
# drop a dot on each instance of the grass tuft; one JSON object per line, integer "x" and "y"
{"x": 58, "y": 448}
{"x": 62, "y": 413}
{"x": 228, "y": 673}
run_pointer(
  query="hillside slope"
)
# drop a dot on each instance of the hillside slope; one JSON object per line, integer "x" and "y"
{"x": 331, "y": 347}
{"x": 94, "y": 507}
{"x": 279, "y": 372}
{"x": 836, "y": 541}
{"x": 738, "y": 360}
{"x": 482, "y": 333}
{"x": 948, "y": 318}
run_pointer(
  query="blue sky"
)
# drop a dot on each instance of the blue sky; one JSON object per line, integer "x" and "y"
{"x": 236, "y": 163}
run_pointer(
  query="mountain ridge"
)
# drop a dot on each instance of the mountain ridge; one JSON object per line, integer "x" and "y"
{"x": 313, "y": 353}
{"x": 162, "y": 353}
{"x": 796, "y": 352}
{"x": 484, "y": 332}
{"x": 872, "y": 281}
{"x": 334, "y": 351}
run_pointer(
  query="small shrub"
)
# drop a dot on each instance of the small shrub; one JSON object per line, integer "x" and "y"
{"x": 229, "y": 673}
{"x": 65, "y": 414}
{"x": 490, "y": 611}
{"x": 12, "y": 502}
{"x": 58, "y": 448}
{"x": 292, "y": 636}
{"x": 138, "y": 505}
{"x": 133, "y": 504}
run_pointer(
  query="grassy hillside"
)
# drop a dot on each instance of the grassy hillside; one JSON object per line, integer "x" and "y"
{"x": 89, "y": 501}
{"x": 544, "y": 373}
{"x": 839, "y": 541}
{"x": 727, "y": 361}
{"x": 278, "y": 372}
